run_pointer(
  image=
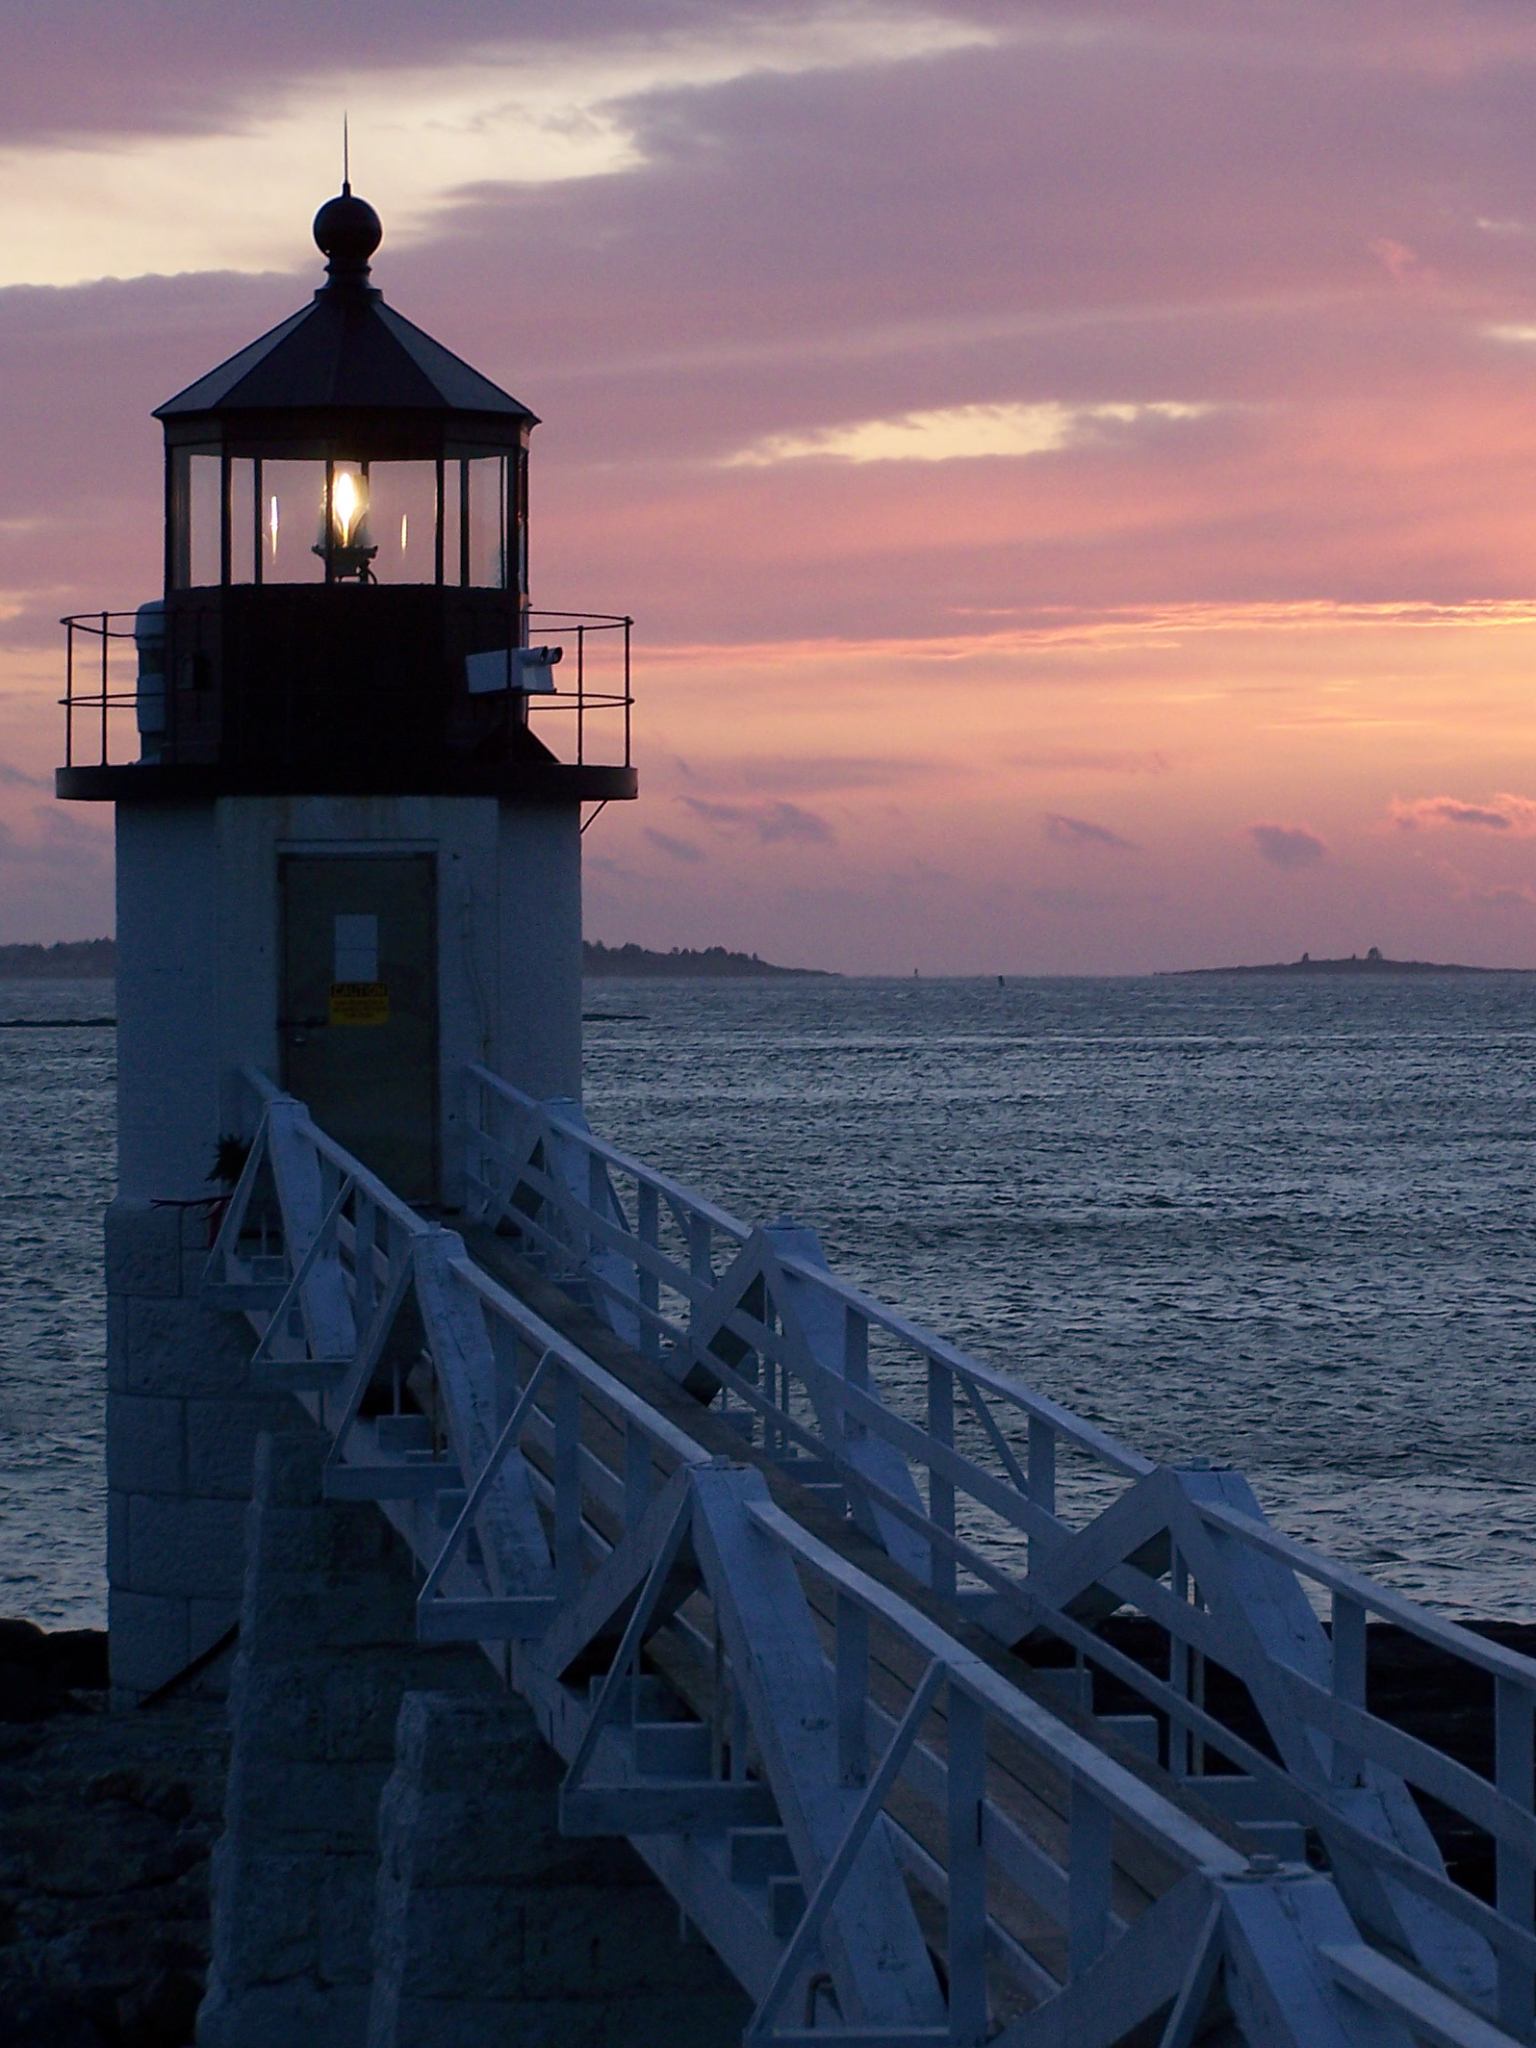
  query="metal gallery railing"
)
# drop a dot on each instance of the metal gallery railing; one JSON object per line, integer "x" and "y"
{"x": 143, "y": 685}
{"x": 1027, "y": 1519}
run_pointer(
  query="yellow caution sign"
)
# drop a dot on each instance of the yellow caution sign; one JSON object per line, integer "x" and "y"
{"x": 359, "y": 1002}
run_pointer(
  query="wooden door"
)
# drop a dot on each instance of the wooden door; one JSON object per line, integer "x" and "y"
{"x": 358, "y": 1024}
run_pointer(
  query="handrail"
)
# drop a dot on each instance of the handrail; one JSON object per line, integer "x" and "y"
{"x": 560, "y": 1470}
{"x": 1441, "y": 1631}
{"x": 815, "y": 1393}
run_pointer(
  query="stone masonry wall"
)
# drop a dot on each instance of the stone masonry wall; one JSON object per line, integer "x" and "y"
{"x": 492, "y": 1927}
{"x": 182, "y": 1423}
{"x": 327, "y": 1650}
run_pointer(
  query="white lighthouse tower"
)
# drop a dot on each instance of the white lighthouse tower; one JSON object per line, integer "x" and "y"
{"x": 346, "y": 859}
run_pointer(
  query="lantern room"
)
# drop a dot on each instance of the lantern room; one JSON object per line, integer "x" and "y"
{"x": 346, "y": 601}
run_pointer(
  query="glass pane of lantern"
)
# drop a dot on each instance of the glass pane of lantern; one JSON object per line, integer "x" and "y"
{"x": 293, "y": 507}
{"x": 206, "y": 525}
{"x": 452, "y": 476}
{"x": 402, "y": 521}
{"x": 244, "y": 520}
{"x": 488, "y": 522}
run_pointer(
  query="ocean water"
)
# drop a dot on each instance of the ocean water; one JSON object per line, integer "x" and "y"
{"x": 1283, "y": 1225}
{"x": 57, "y": 1171}
{"x": 1286, "y": 1225}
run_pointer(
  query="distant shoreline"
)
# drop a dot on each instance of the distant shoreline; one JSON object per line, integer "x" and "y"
{"x": 71, "y": 960}
{"x": 93, "y": 959}
{"x": 96, "y": 959}
{"x": 1371, "y": 963}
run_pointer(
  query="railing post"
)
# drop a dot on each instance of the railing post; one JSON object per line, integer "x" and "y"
{"x": 567, "y": 1476}
{"x": 1513, "y": 1771}
{"x": 597, "y": 1194}
{"x": 69, "y": 693}
{"x": 968, "y": 1870}
{"x": 852, "y": 1672}
{"x": 855, "y": 1366}
{"x": 365, "y": 1279}
{"x": 1349, "y": 1641}
{"x": 1088, "y": 1875}
{"x": 105, "y": 620}
{"x": 1042, "y": 1479}
{"x": 637, "y": 1474}
{"x": 1178, "y": 1672}
{"x": 628, "y": 623}
{"x": 648, "y": 1220}
{"x": 581, "y": 694}
{"x": 941, "y": 1492}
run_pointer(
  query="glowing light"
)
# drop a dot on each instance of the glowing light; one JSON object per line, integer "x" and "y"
{"x": 347, "y": 506}
{"x": 404, "y": 529}
{"x": 272, "y": 526}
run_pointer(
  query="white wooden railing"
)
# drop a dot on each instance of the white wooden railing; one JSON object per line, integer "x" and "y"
{"x": 883, "y": 1829}
{"x": 965, "y": 1472}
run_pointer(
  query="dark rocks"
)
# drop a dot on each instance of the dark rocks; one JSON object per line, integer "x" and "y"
{"x": 39, "y": 1671}
{"x": 106, "y": 1824}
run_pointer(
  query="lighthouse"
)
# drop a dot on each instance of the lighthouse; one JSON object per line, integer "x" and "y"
{"x": 349, "y": 763}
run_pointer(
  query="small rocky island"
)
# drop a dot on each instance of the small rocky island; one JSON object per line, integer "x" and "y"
{"x": 634, "y": 963}
{"x": 1372, "y": 962}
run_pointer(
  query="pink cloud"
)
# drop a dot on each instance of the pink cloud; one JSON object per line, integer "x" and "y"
{"x": 1515, "y": 814}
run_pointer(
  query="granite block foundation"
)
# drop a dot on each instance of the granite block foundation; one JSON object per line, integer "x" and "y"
{"x": 391, "y": 1872}
{"x": 182, "y": 1423}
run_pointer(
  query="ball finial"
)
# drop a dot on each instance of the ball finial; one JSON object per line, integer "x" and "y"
{"x": 348, "y": 231}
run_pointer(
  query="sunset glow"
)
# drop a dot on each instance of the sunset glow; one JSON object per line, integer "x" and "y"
{"x": 1073, "y": 469}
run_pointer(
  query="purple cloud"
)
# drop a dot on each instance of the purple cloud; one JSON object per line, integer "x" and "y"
{"x": 675, "y": 849}
{"x": 773, "y": 823}
{"x": 1287, "y": 846}
{"x": 1064, "y": 831}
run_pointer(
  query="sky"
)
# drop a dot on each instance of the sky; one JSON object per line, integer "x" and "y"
{"x": 1072, "y": 466}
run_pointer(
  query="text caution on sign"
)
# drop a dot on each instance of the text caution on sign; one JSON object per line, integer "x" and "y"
{"x": 359, "y": 1002}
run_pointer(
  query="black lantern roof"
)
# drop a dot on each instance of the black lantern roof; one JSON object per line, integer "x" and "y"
{"x": 346, "y": 354}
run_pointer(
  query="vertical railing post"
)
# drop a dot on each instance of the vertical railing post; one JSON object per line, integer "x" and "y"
{"x": 1178, "y": 1672}
{"x": 852, "y": 1673}
{"x": 1513, "y": 1872}
{"x": 648, "y": 1220}
{"x": 855, "y": 1366}
{"x": 105, "y": 622}
{"x": 69, "y": 693}
{"x": 1090, "y": 1843}
{"x": 1349, "y": 1641}
{"x": 567, "y": 1477}
{"x": 581, "y": 695}
{"x": 1042, "y": 1479}
{"x": 365, "y": 1279}
{"x": 941, "y": 1491}
{"x": 967, "y": 1872}
{"x": 588, "y": 1243}
{"x": 507, "y": 1349}
{"x": 637, "y": 1474}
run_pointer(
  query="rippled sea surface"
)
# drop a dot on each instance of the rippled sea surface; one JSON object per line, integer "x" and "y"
{"x": 1284, "y": 1225}
{"x": 57, "y": 1170}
